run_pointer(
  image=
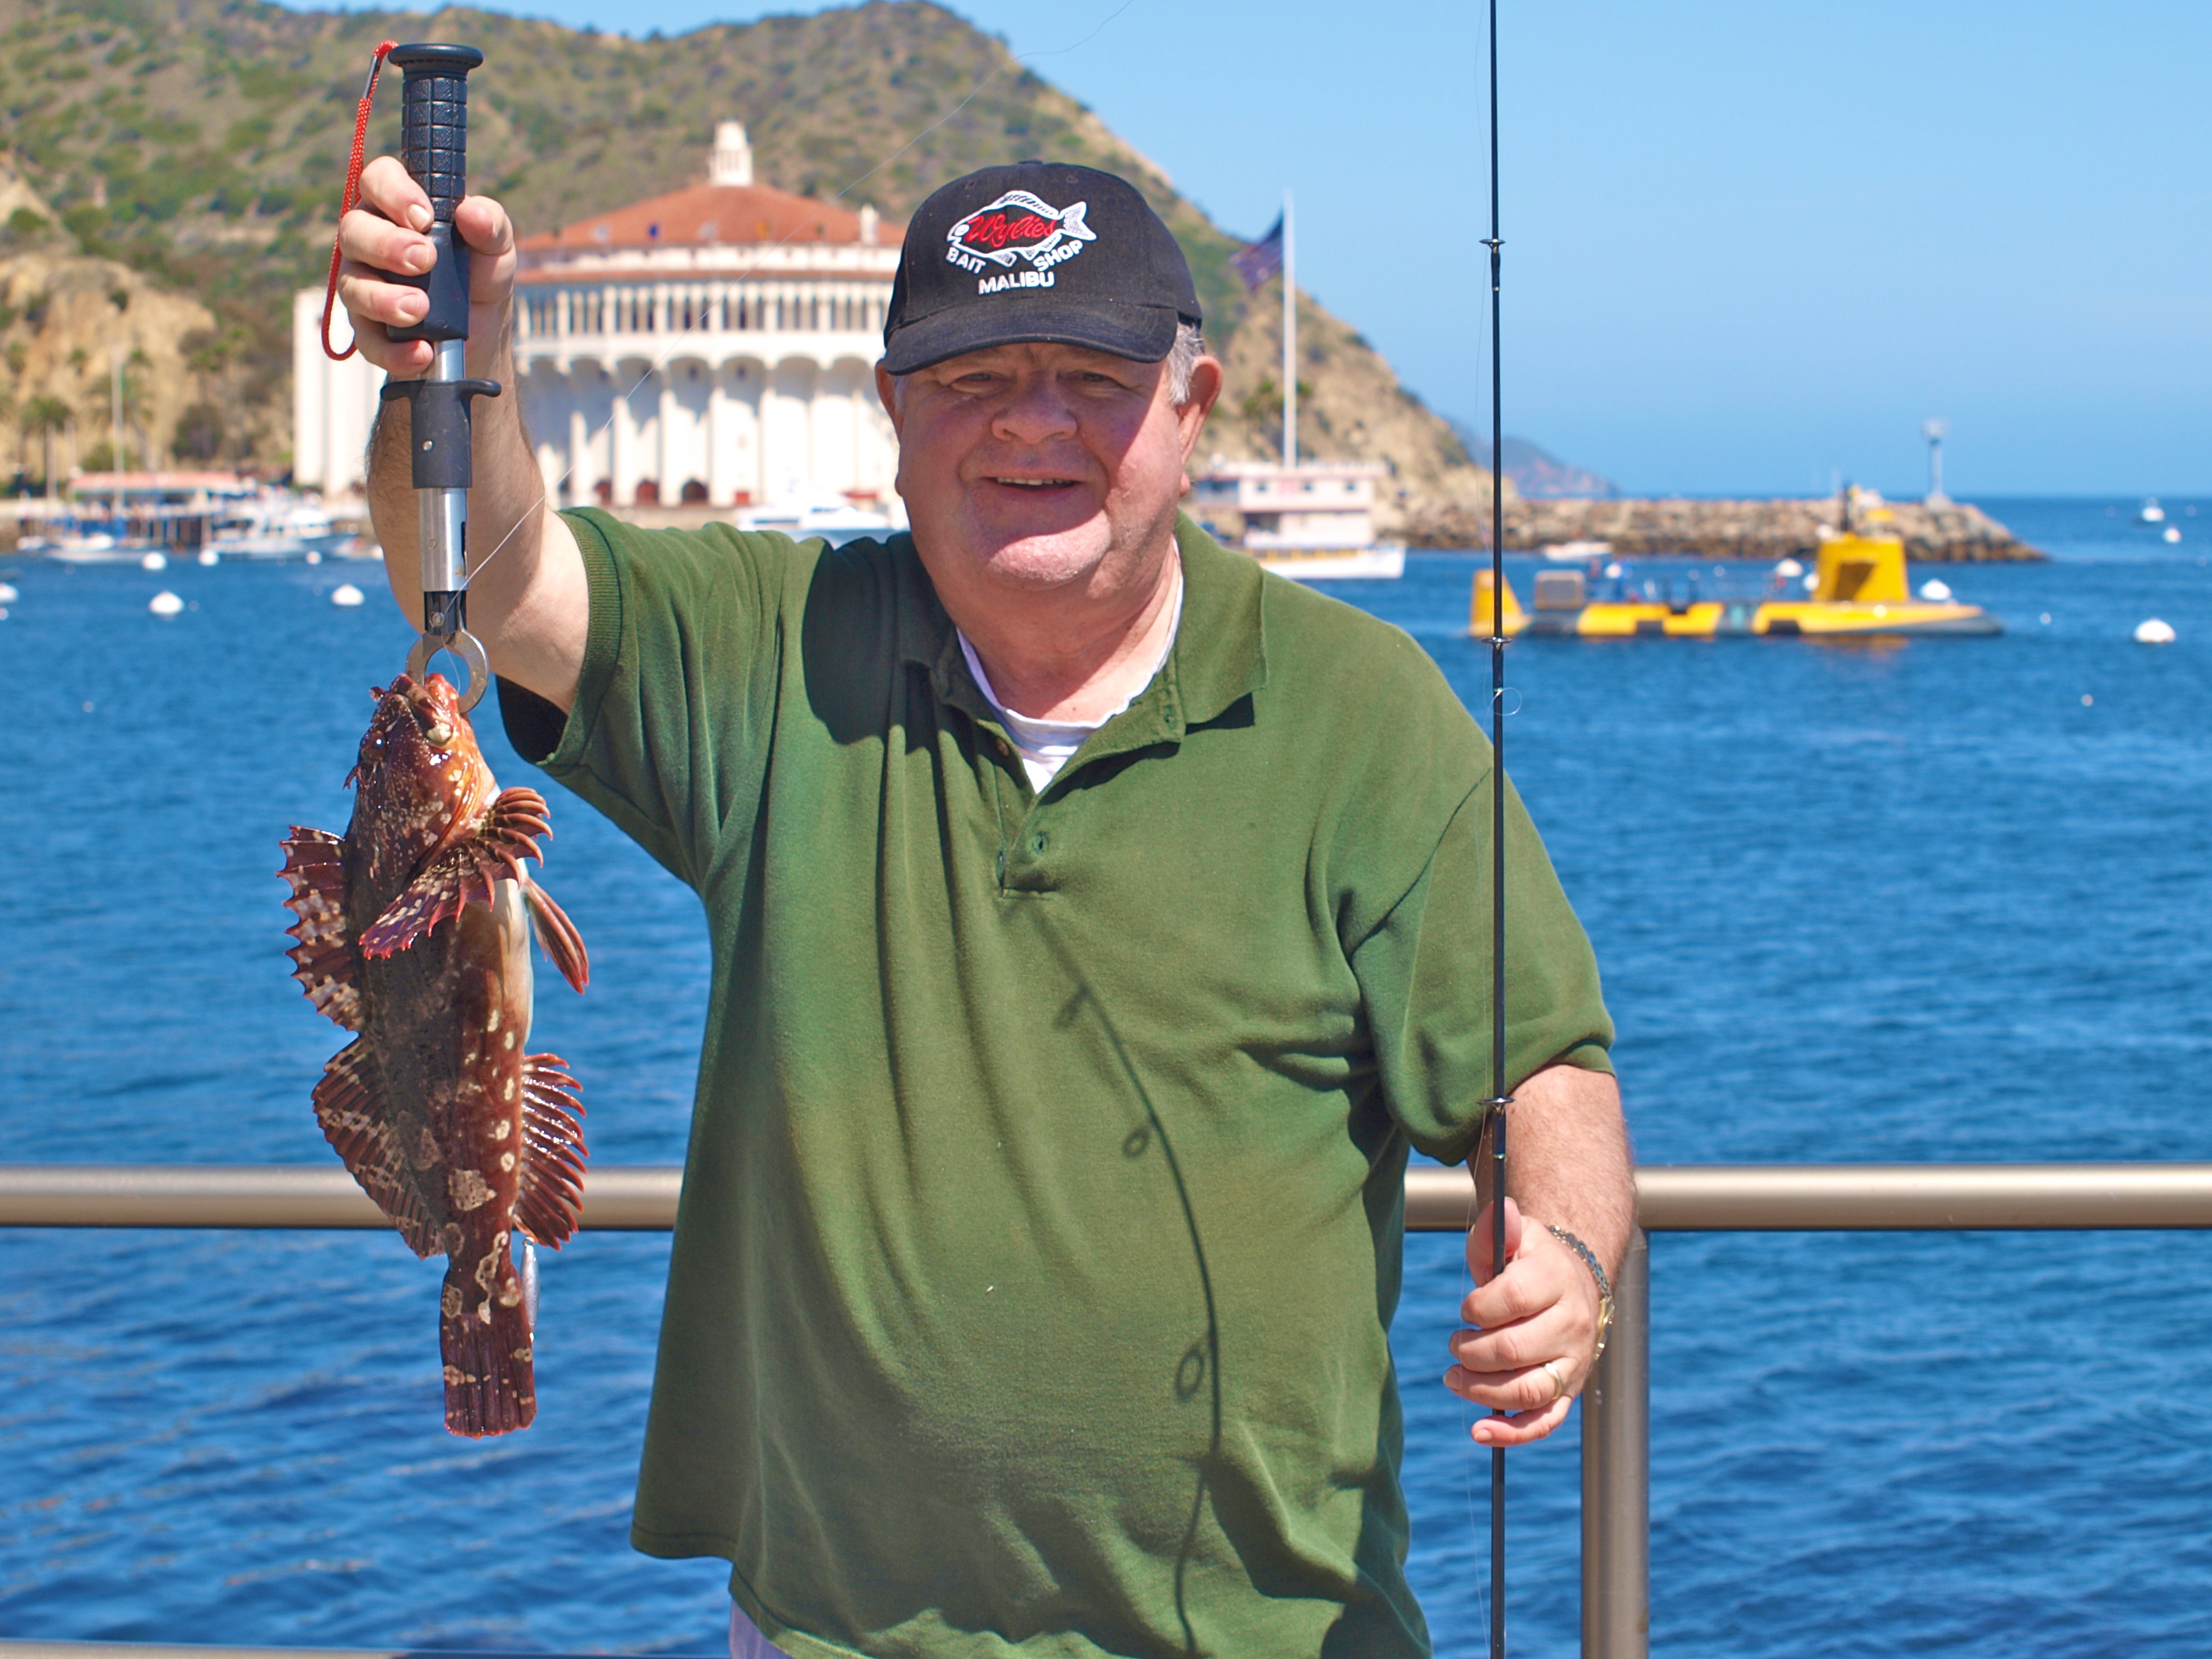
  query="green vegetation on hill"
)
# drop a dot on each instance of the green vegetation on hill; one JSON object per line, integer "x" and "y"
{"x": 203, "y": 142}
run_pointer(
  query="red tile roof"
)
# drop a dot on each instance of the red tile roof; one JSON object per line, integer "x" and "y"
{"x": 707, "y": 214}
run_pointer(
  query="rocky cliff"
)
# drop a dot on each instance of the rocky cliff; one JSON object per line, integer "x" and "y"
{"x": 68, "y": 322}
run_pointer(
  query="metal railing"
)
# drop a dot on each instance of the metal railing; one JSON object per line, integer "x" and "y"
{"x": 1616, "y": 1405}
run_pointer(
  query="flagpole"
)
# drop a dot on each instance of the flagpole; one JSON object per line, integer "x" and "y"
{"x": 1290, "y": 338}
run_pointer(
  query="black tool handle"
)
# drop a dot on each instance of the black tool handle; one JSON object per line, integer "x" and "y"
{"x": 434, "y": 147}
{"x": 442, "y": 446}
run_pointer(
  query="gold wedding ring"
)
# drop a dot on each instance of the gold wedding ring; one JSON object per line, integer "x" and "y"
{"x": 1556, "y": 1370}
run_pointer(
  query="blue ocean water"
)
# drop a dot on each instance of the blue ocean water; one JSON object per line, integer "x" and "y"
{"x": 1946, "y": 900}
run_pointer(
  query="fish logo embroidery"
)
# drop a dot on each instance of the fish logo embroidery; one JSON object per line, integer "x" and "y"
{"x": 1018, "y": 226}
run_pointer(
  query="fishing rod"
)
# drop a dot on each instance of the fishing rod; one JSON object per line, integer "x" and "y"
{"x": 1499, "y": 1099}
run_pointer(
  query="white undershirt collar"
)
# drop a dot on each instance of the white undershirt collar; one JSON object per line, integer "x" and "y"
{"x": 1046, "y": 745}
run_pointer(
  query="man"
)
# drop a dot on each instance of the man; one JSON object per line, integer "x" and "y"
{"x": 1097, "y": 922}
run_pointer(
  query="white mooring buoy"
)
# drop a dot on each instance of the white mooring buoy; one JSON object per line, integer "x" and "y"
{"x": 2153, "y": 632}
{"x": 1936, "y": 590}
{"x": 169, "y": 604}
{"x": 155, "y": 562}
{"x": 345, "y": 593}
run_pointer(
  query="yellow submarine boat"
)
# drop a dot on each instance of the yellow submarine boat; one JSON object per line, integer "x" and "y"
{"x": 1860, "y": 588}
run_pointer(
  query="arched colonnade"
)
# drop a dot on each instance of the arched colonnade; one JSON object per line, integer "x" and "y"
{"x": 729, "y": 430}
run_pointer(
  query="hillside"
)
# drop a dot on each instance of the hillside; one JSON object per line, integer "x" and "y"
{"x": 1535, "y": 472}
{"x": 63, "y": 312}
{"x": 202, "y": 143}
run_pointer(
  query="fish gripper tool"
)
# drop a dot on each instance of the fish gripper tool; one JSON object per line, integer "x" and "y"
{"x": 434, "y": 143}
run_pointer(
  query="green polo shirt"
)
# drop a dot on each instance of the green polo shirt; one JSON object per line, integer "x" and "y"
{"x": 1041, "y": 1217}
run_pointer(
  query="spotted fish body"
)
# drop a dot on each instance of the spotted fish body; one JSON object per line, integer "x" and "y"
{"x": 414, "y": 931}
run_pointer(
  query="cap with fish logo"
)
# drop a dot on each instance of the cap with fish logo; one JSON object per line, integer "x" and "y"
{"x": 1037, "y": 251}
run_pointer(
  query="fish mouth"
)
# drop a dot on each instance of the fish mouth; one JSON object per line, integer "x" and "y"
{"x": 434, "y": 707}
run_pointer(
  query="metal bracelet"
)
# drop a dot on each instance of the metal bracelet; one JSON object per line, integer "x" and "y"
{"x": 1598, "y": 1271}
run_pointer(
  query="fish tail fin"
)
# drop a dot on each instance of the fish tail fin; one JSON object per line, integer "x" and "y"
{"x": 491, "y": 1386}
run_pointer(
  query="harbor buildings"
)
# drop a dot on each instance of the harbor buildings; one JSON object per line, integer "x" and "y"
{"x": 714, "y": 346}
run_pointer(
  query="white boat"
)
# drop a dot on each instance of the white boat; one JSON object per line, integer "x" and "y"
{"x": 1311, "y": 522}
{"x": 271, "y": 525}
{"x": 1381, "y": 561}
{"x": 79, "y": 541}
{"x": 2152, "y": 512}
{"x": 827, "y": 514}
{"x": 1578, "y": 551}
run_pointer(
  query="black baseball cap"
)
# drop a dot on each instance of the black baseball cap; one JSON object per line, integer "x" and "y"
{"x": 1038, "y": 250}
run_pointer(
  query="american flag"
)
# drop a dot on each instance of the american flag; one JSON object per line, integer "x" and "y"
{"x": 1259, "y": 260}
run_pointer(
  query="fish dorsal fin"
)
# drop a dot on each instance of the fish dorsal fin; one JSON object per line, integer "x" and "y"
{"x": 372, "y": 1141}
{"x": 464, "y": 873}
{"x": 323, "y": 960}
{"x": 549, "y": 1195}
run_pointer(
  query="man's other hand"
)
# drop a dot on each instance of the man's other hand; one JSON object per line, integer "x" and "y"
{"x": 1543, "y": 1308}
{"x": 386, "y": 235}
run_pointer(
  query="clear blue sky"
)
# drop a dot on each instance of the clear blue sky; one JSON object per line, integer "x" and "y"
{"x": 1749, "y": 245}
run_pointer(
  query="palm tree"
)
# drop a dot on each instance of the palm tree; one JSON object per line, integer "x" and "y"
{"x": 47, "y": 415}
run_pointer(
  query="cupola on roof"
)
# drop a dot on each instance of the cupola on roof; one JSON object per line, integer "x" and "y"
{"x": 730, "y": 210}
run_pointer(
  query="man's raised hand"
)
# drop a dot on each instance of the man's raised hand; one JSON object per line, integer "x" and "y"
{"x": 1544, "y": 1306}
{"x": 384, "y": 236}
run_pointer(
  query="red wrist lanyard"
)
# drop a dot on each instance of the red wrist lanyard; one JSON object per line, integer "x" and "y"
{"x": 350, "y": 197}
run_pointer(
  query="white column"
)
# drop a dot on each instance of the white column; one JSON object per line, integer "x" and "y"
{"x": 582, "y": 474}
{"x": 310, "y": 391}
{"x": 672, "y": 471}
{"x": 621, "y": 435}
{"x": 720, "y": 491}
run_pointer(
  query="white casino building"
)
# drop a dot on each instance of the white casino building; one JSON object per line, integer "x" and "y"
{"x": 716, "y": 345}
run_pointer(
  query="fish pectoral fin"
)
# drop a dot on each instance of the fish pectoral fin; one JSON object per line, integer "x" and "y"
{"x": 557, "y": 936}
{"x": 465, "y": 871}
{"x": 442, "y": 891}
{"x": 549, "y": 1195}
{"x": 323, "y": 960}
{"x": 515, "y": 821}
{"x": 349, "y": 1105}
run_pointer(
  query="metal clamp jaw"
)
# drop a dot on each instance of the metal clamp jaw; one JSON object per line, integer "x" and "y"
{"x": 441, "y": 448}
{"x": 446, "y": 627}
{"x": 434, "y": 136}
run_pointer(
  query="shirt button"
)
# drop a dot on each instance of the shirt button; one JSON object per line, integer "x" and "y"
{"x": 1006, "y": 749}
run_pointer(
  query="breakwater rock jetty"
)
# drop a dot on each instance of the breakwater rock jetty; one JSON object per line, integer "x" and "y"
{"x": 1739, "y": 529}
